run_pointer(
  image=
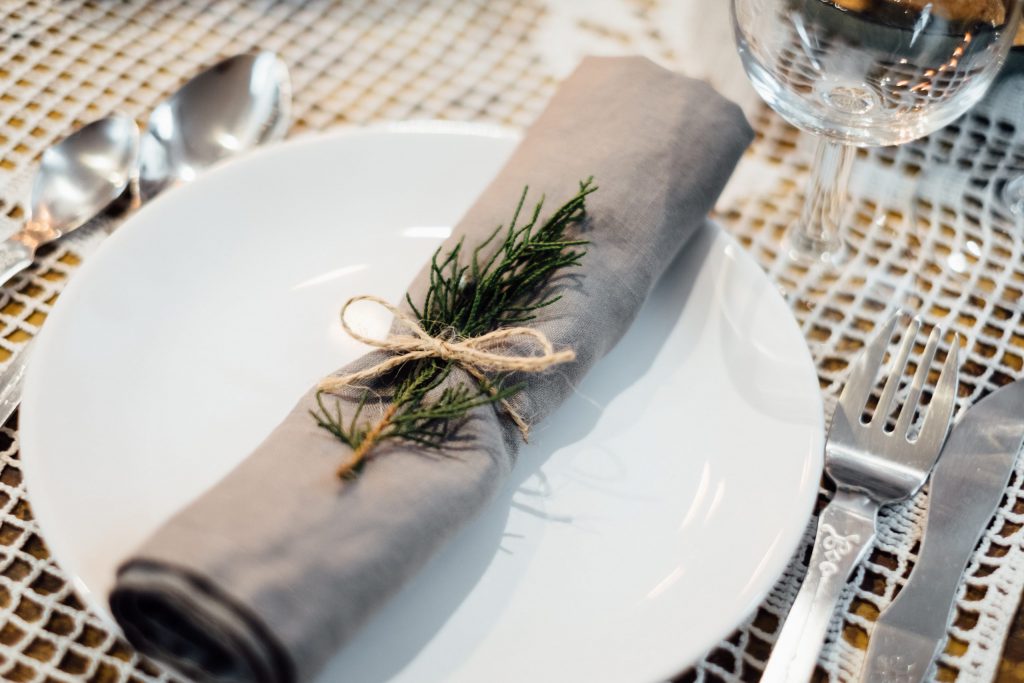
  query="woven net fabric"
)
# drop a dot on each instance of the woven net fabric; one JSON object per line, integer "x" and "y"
{"x": 930, "y": 229}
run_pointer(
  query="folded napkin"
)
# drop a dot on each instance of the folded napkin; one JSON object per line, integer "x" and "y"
{"x": 269, "y": 573}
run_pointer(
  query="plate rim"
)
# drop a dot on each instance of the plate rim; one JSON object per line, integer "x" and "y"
{"x": 33, "y": 383}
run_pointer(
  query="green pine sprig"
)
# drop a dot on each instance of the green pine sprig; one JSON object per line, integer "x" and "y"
{"x": 466, "y": 298}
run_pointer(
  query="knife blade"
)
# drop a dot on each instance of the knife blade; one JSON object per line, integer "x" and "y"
{"x": 967, "y": 484}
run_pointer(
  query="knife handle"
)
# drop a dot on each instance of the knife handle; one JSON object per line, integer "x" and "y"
{"x": 925, "y": 603}
{"x": 15, "y": 256}
{"x": 964, "y": 494}
{"x": 846, "y": 529}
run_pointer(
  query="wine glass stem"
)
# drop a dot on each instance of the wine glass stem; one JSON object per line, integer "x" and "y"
{"x": 816, "y": 236}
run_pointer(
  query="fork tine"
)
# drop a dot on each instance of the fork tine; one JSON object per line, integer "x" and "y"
{"x": 855, "y": 394}
{"x": 910, "y": 405}
{"x": 936, "y": 422}
{"x": 892, "y": 383}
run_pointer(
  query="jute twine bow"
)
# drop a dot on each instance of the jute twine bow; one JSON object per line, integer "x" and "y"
{"x": 476, "y": 355}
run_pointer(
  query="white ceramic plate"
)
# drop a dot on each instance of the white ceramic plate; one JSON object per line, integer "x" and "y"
{"x": 648, "y": 518}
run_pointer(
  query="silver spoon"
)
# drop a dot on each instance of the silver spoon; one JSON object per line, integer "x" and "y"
{"x": 235, "y": 105}
{"x": 77, "y": 178}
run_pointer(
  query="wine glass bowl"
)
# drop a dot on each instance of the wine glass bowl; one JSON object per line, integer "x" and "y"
{"x": 869, "y": 77}
{"x": 864, "y": 73}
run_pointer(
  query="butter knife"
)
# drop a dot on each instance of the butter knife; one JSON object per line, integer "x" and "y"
{"x": 967, "y": 484}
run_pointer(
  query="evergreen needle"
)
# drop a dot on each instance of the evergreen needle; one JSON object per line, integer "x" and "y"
{"x": 465, "y": 300}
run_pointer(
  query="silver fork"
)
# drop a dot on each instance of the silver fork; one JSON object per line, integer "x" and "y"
{"x": 871, "y": 467}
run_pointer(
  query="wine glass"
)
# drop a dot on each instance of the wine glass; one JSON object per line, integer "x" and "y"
{"x": 865, "y": 73}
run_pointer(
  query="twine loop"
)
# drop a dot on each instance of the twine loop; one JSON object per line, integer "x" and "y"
{"x": 476, "y": 355}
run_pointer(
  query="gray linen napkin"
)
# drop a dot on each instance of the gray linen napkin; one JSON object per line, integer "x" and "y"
{"x": 269, "y": 573}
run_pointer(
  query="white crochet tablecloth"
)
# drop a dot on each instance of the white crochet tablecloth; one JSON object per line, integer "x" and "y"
{"x": 65, "y": 63}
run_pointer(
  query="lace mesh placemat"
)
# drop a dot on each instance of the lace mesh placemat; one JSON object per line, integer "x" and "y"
{"x": 65, "y": 63}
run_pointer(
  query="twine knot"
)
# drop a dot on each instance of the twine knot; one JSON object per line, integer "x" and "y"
{"x": 476, "y": 355}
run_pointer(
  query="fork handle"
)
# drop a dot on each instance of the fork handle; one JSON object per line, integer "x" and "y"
{"x": 846, "y": 530}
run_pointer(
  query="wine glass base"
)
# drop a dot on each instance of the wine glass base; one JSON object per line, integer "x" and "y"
{"x": 810, "y": 252}
{"x": 876, "y": 259}
{"x": 1013, "y": 196}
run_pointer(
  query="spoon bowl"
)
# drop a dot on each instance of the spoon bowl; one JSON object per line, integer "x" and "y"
{"x": 77, "y": 178}
{"x": 232, "y": 107}
{"x": 83, "y": 173}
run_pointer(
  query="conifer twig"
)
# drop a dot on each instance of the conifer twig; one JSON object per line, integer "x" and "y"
{"x": 465, "y": 299}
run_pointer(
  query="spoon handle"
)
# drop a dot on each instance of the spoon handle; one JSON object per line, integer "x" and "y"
{"x": 15, "y": 257}
{"x": 11, "y": 381}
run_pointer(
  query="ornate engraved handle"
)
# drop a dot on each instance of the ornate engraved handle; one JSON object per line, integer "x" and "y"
{"x": 14, "y": 258}
{"x": 846, "y": 529}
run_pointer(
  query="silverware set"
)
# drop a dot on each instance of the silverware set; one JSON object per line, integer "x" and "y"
{"x": 231, "y": 108}
{"x": 885, "y": 455}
